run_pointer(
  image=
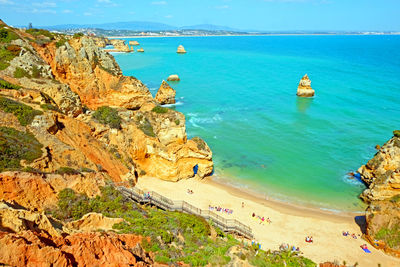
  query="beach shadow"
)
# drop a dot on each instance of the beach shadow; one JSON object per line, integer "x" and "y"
{"x": 303, "y": 103}
{"x": 362, "y": 223}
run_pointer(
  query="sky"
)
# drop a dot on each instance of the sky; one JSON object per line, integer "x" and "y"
{"x": 267, "y": 15}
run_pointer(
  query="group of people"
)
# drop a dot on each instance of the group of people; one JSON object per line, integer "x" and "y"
{"x": 309, "y": 239}
{"x": 353, "y": 235}
{"x": 262, "y": 219}
{"x": 147, "y": 195}
{"x": 220, "y": 209}
{"x": 190, "y": 191}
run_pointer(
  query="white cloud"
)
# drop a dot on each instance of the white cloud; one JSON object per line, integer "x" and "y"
{"x": 222, "y": 7}
{"x": 67, "y": 11}
{"x": 49, "y": 11}
{"x": 45, "y": 4}
{"x": 107, "y": 2}
{"x": 6, "y": 2}
{"x": 159, "y": 3}
{"x": 87, "y": 14}
{"x": 169, "y": 16}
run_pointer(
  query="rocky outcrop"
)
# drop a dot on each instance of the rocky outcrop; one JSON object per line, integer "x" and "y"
{"x": 165, "y": 94}
{"x": 120, "y": 46}
{"x": 30, "y": 248}
{"x": 133, "y": 43}
{"x": 140, "y": 50}
{"x": 173, "y": 78}
{"x": 181, "y": 50}
{"x": 382, "y": 176}
{"x": 94, "y": 75}
{"x": 304, "y": 89}
{"x": 39, "y": 191}
{"x": 91, "y": 222}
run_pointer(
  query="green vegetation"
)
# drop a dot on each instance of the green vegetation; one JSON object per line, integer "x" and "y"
{"x": 200, "y": 143}
{"x": 6, "y": 85}
{"x": 61, "y": 42}
{"x": 391, "y": 236}
{"x": 177, "y": 121}
{"x": 395, "y": 199}
{"x": 5, "y": 57}
{"x": 16, "y": 146}
{"x": 78, "y": 35}
{"x": 24, "y": 113}
{"x": 40, "y": 32}
{"x": 108, "y": 116}
{"x": 7, "y": 35}
{"x": 173, "y": 236}
{"x": 66, "y": 170}
{"x": 36, "y": 73}
{"x": 20, "y": 73}
{"x": 144, "y": 124}
{"x": 396, "y": 133}
{"x": 160, "y": 109}
{"x": 47, "y": 107}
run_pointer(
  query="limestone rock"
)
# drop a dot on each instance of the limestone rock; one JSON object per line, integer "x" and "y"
{"x": 91, "y": 222}
{"x": 181, "y": 50}
{"x": 120, "y": 46}
{"x": 173, "y": 78}
{"x": 140, "y": 50}
{"x": 304, "y": 89}
{"x": 133, "y": 43}
{"x": 166, "y": 94}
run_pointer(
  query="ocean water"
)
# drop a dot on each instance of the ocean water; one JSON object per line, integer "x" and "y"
{"x": 239, "y": 95}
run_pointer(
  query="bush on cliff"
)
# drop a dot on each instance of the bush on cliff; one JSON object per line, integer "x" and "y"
{"x": 5, "y": 57}
{"x": 108, "y": 116}
{"x": 7, "y": 35}
{"x": 41, "y": 32}
{"x": 160, "y": 109}
{"x": 20, "y": 73}
{"x": 396, "y": 133}
{"x": 16, "y": 146}
{"x": 25, "y": 114}
{"x": 6, "y": 85}
{"x": 391, "y": 235}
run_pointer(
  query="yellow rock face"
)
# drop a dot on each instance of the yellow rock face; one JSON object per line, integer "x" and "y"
{"x": 304, "y": 89}
{"x": 166, "y": 94}
{"x": 181, "y": 50}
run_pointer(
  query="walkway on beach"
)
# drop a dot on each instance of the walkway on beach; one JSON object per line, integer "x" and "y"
{"x": 151, "y": 197}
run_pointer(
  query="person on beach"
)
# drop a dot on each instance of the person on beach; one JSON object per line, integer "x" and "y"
{"x": 242, "y": 204}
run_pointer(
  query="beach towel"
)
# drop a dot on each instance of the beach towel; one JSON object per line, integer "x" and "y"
{"x": 366, "y": 250}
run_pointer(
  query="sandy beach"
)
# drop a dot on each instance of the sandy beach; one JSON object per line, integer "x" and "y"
{"x": 289, "y": 223}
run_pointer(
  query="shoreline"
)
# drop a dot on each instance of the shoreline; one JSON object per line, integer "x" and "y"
{"x": 238, "y": 35}
{"x": 289, "y": 224}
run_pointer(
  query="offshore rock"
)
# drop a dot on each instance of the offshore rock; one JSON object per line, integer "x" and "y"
{"x": 181, "y": 50}
{"x": 133, "y": 43}
{"x": 165, "y": 94}
{"x": 120, "y": 46}
{"x": 173, "y": 78}
{"x": 304, "y": 89}
{"x": 140, "y": 50}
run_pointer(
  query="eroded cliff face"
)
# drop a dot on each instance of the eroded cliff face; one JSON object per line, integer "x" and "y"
{"x": 382, "y": 176}
{"x": 304, "y": 89}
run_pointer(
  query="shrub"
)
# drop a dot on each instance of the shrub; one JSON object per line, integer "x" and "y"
{"x": 7, "y": 35}
{"x": 391, "y": 235}
{"x": 20, "y": 73}
{"x": 144, "y": 124}
{"x": 36, "y": 73}
{"x": 38, "y": 32}
{"x": 177, "y": 121}
{"x": 78, "y": 35}
{"x": 6, "y": 85}
{"x": 5, "y": 57}
{"x": 24, "y": 113}
{"x": 66, "y": 170}
{"x": 396, "y": 133}
{"x": 200, "y": 143}
{"x": 47, "y": 107}
{"x": 16, "y": 146}
{"x": 108, "y": 116}
{"x": 61, "y": 42}
{"x": 160, "y": 110}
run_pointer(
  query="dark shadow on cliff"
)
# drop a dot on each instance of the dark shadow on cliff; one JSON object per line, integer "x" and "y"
{"x": 303, "y": 103}
{"x": 362, "y": 223}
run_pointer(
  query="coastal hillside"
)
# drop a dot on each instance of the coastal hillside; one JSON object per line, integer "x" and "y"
{"x": 382, "y": 176}
{"x": 73, "y": 129}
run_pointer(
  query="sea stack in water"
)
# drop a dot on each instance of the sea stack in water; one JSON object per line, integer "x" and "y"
{"x": 181, "y": 50}
{"x": 166, "y": 94}
{"x": 140, "y": 50}
{"x": 133, "y": 43}
{"x": 173, "y": 78}
{"x": 304, "y": 89}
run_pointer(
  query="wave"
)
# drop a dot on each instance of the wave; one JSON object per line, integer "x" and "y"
{"x": 179, "y": 103}
{"x": 196, "y": 121}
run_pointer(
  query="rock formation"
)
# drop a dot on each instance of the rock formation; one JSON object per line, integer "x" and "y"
{"x": 140, "y": 50}
{"x": 382, "y": 176}
{"x": 181, "y": 50}
{"x": 133, "y": 43}
{"x": 165, "y": 94}
{"x": 304, "y": 89}
{"x": 91, "y": 222}
{"x": 120, "y": 46}
{"x": 173, "y": 78}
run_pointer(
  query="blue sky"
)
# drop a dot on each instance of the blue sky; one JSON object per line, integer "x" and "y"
{"x": 242, "y": 14}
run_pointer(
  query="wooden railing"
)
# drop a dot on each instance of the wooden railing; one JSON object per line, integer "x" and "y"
{"x": 151, "y": 197}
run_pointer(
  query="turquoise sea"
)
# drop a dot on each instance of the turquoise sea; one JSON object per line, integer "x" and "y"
{"x": 239, "y": 95}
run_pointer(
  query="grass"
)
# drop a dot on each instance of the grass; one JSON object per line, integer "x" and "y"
{"x": 144, "y": 124}
{"x": 47, "y": 107}
{"x": 391, "y": 236}
{"x": 396, "y": 133}
{"x": 6, "y": 85}
{"x": 7, "y": 35}
{"x": 39, "y": 32}
{"x": 177, "y": 121}
{"x": 24, "y": 113}
{"x": 78, "y": 35}
{"x": 36, "y": 73}
{"x": 108, "y": 116}
{"x": 173, "y": 236}
{"x": 200, "y": 143}
{"x": 61, "y": 42}
{"x": 160, "y": 110}
{"x": 66, "y": 170}
{"x": 16, "y": 146}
